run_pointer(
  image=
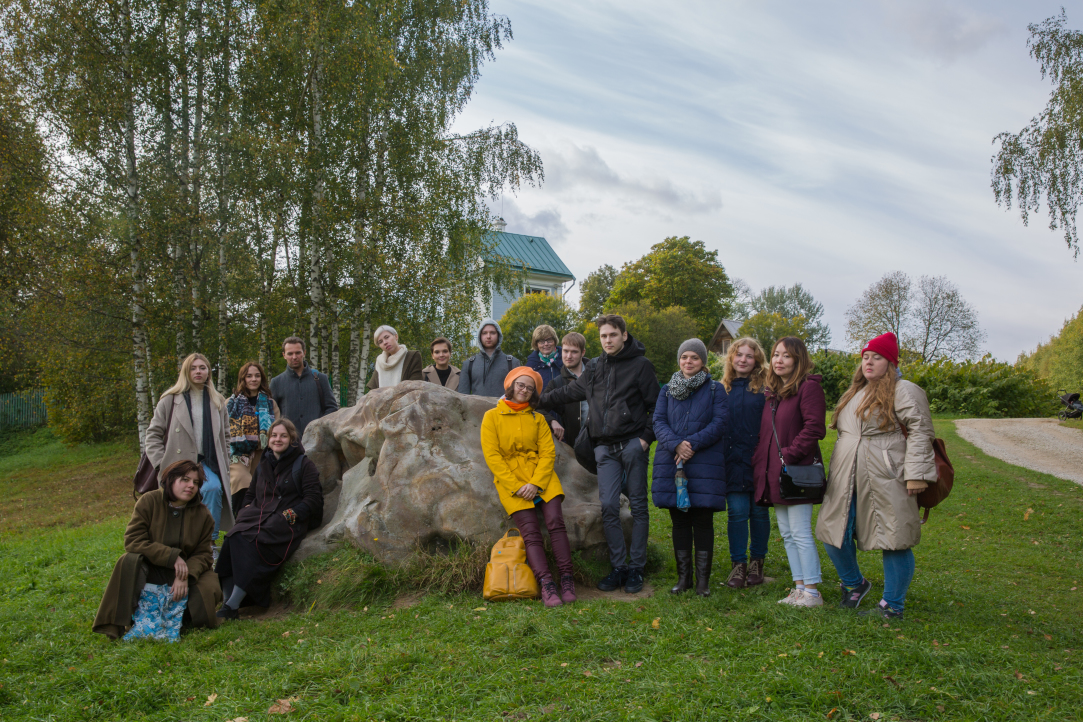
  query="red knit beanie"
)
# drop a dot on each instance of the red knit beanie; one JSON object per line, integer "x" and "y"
{"x": 886, "y": 345}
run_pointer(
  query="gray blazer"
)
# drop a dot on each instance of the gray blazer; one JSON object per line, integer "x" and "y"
{"x": 177, "y": 442}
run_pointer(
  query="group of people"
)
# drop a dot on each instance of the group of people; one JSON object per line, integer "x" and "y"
{"x": 722, "y": 445}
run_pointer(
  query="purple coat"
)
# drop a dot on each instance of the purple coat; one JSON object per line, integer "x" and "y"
{"x": 801, "y": 423}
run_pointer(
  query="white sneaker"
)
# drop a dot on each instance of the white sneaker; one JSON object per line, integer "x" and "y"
{"x": 809, "y": 600}
{"x": 795, "y": 594}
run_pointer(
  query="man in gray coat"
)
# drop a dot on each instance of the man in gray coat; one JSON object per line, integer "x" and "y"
{"x": 483, "y": 373}
{"x": 302, "y": 393}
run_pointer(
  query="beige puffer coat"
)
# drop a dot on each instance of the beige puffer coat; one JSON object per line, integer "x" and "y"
{"x": 876, "y": 465}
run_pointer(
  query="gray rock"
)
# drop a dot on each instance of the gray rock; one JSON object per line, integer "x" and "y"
{"x": 403, "y": 468}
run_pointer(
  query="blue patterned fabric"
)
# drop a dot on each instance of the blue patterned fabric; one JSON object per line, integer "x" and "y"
{"x": 157, "y": 616}
{"x": 248, "y": 425}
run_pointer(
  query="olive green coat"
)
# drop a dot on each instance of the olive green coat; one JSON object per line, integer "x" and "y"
{"x": 141, "y": 543}
{"x": 875, "y": 465}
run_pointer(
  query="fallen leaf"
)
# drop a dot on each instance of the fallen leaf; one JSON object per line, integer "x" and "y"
{"x": 891, "y": 679}
{"x": 1018, "y": 674}
{"x": 1049, "y": 637}
{"x": 639, "y": 664}
{"x": 709, "y": 629}
{"x": 210, "y": 700}
{"x": 1030, "y": 691}
{"x": 848, "y": 651}
{"x": 283, "y": 706}
{"x": 831, "y": 714}
{"x": 563, "y": 664}
{"x": 190, "y": 699}
{"x": 479, "y": 609}
{"x": 587, "y": 673}
{"x": 936, "y": 643}
{"x": 874, "y": 715}
{"x": 968, "y": 529}
{"x": 319, "y": 581}
{"x": 820, "y": 654}
{"x": 286, "y": 634}
{"x": 784, "y": 655}
{"x": 1027, "y": 514}
{"x": 940, "y": 708}
{"x": 238, "y": 719}
{"x": 655, "y": 624}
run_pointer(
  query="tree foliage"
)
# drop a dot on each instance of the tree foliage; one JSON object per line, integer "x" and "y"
{"x": 526, "y": 314}
{"x": 661, "y": 331}
{"x": 1060, "y": 360}
{"x": 594, "y": 291}
{"x": 1044, "y": 161}
{"x": 791, "y": 302}
{"x": 677, "y": 272}
{"x": 932, "y": 321}
{"x": 768, "y": 328}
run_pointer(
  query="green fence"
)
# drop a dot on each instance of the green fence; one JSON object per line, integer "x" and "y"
{"x": 23, "y": 409}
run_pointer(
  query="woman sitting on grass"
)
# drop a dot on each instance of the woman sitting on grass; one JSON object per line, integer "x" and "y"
{"x": 164, "y": 579}
{"x": 881, "y": 462}
{"x": 283, "y": 502}
{"x": 520, "y": 452}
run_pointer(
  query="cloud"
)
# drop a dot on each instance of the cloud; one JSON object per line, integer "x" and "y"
{"x": 942, "y": 31}
{"x": 576, "y": 167}
{"x": 546, "y": 223}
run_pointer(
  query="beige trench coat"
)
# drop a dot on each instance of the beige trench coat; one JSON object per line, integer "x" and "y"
{"x": 875, "y": 465}
{"x": 240, "y": 474}
{"x": 165, "y": 446}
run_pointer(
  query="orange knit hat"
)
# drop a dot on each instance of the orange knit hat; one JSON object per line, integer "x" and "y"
{"x": 523, "y": 371}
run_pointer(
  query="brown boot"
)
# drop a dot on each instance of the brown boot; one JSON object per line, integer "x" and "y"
{"x": 755, "y": 572}
{"x": 738, "y": 575}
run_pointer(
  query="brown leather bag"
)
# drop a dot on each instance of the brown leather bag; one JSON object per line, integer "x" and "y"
{"x": 945, "y": 477}
{"x": 146, "y": 474}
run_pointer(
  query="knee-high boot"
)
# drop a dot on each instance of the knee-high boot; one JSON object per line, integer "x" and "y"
{"x": 684, "y": 571}
{"x": 704, "y": 558}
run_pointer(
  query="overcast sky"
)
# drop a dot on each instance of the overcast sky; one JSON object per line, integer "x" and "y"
{"x": 823, "y": 143}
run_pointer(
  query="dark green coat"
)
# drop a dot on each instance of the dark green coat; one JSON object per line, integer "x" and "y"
{"x": 143, "y": 543}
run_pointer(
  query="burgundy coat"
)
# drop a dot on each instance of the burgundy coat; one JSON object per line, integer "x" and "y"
{"x": 801, "y": 423}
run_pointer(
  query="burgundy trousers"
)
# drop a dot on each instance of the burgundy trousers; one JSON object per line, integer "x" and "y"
{"x": 527, "y": 521}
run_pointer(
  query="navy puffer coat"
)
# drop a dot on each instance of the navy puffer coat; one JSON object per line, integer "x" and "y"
{"x": 702, "y": 422}
{"x": 742, "y": 435}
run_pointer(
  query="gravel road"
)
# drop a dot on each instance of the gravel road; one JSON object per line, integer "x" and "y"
{"x": 1038, "y": 444}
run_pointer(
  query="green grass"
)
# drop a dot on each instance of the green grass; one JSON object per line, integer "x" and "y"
{"x": 992, "y": 633}
{"x": 1073, "y": 423}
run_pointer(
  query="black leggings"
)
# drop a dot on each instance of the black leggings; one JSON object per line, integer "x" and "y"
{"x": 694, "y": 524}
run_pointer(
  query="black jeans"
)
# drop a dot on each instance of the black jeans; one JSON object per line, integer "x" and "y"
{"x": 694, "y": 524}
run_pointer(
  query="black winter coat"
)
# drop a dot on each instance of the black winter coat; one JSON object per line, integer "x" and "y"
{"x": 569, "y": 415}
{"x": 273, "y": 491}
{"x": 742, "y": 435}
{"x": 621, "y": 391}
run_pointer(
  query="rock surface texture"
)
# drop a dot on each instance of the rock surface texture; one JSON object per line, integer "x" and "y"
{"x": 403, "y": 468}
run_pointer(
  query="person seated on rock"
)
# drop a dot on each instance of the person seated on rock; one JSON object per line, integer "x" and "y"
{"x": 164, "y": 579}
{"x": 396, "y": 362}
{"x": 284, "y": 501}
{"x": 520, "y": 452}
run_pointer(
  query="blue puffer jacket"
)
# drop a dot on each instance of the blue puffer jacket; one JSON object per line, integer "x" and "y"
{"x": 702, "y": 424}
{"x": 548, "y": 371}
{"x": 742, "y": 435}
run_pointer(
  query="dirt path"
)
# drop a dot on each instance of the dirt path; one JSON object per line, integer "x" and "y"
{"x": 1038, "y": 444}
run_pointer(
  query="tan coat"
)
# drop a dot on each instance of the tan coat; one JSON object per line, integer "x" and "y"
{"x": 875, "y": 465}
{"x": 240, "y": 474}
{"x": 430, "y": 375}
{"x": 165, "y": 446}
{"x": 143, "y": 542}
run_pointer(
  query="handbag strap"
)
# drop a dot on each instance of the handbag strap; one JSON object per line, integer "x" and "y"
{"x": 778, "y": 445}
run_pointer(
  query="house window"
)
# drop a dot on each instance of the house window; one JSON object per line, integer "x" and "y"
{"x": 538, "y": 290}
{"x": 726, "y": 345}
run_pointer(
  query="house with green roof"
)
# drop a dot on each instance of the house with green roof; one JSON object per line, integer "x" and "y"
{"x": 544, "y": 271}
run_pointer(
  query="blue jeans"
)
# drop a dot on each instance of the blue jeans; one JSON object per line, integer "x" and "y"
{"x": 898, "y": 565}
{"x": 743, "y": 517}
{"x": 212, "y": 497}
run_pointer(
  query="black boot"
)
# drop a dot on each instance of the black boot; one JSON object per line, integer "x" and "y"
{"x": 684, "y": 571}
{"x": 703, "y": 572}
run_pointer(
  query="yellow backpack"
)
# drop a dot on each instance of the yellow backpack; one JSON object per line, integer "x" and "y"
{"x": 507, "y": 575}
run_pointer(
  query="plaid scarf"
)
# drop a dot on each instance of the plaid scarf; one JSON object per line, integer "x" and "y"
{"x": 681, "y": 388}
{"x": 248, "y": 424}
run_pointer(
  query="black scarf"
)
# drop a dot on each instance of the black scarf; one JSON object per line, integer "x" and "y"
{"x": 209, "y": 456}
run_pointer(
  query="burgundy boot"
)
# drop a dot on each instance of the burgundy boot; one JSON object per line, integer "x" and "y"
{"x": 549, "y": 594}
{"x": 567, "y": 589}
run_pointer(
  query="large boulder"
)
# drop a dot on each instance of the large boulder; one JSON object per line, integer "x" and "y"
{"x": 403, "y": 468}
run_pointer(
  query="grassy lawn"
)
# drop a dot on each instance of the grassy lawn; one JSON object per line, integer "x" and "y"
{"x": 991, "y": 633}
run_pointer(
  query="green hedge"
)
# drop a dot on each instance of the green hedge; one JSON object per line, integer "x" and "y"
{"x": 985, "y": 388}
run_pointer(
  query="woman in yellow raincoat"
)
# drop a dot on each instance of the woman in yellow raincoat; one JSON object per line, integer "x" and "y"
{"x": 519, "y": 450}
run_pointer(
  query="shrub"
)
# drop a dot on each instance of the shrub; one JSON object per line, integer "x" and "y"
{"x": 985, "y": 388}
{"x": 526, "y": 314}
{"x": 837, "y": 369}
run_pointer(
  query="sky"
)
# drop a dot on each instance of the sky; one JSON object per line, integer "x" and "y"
{"x": 822, "y": 143}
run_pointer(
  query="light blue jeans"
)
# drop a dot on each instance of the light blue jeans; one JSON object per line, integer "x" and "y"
{"x": 898, "y": 565}
{"x": 212, "y": 497}
{"x": 795, "y": 526}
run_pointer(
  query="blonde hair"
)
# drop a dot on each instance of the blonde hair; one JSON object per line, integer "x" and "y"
{"x": 802, "y": 367}
{"x": 541, "y": 333}
{"x": 184, "y": 382}
{"x": 879, "y": 398}
{"x": 758, "y": 377}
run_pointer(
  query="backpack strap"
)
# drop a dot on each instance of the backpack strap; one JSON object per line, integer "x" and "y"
{"x": 319, "y": 388}
{"x": 296, "y": 470}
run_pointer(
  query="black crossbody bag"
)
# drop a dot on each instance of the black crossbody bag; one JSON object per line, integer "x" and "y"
{"x": 799, "y": 481}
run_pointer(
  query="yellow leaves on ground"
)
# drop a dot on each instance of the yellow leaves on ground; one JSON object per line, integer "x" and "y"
{"x": 283, "y": 706}
{"x": 238, "y": 719}
{"x": 480, "y": 609}
{"x": 848, "y": 651}
{"x": 656, "y": 623}
{"x": 1026, "y": 516}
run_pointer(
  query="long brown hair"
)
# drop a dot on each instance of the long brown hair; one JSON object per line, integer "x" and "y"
{"x": 879, "y": 398}
{"x": 802, "y": 367}
{"x": 242, "y": 388}
{"x": 758, "y": 377}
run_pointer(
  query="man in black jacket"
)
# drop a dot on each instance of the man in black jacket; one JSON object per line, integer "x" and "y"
{"x": 620, "y": 388}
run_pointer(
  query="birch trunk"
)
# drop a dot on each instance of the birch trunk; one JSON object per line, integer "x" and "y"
{"x": 174, "y": 249}
{"x": 140, "y": 346}
{"x": 355, "y": 352}
{"x": 196, "y": 218}
{"x": 366, "y": 337}
{"x": 316, "y": 243}
{"x": 336, "y": 369}
{"x": 223, "y": 137}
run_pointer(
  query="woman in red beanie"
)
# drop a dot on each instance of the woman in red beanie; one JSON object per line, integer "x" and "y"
{"x": 876, "y": 473}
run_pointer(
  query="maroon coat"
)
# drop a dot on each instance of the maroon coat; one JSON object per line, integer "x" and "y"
{"x": 801, "y": 423}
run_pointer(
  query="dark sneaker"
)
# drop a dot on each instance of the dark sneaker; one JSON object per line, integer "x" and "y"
{"x": 614, "y": 580}
{"x": 883, "y": 610}
{"x": 227, "y": 612}
{"x": 634, "y": 581}
{"x": 852, "y": 597}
